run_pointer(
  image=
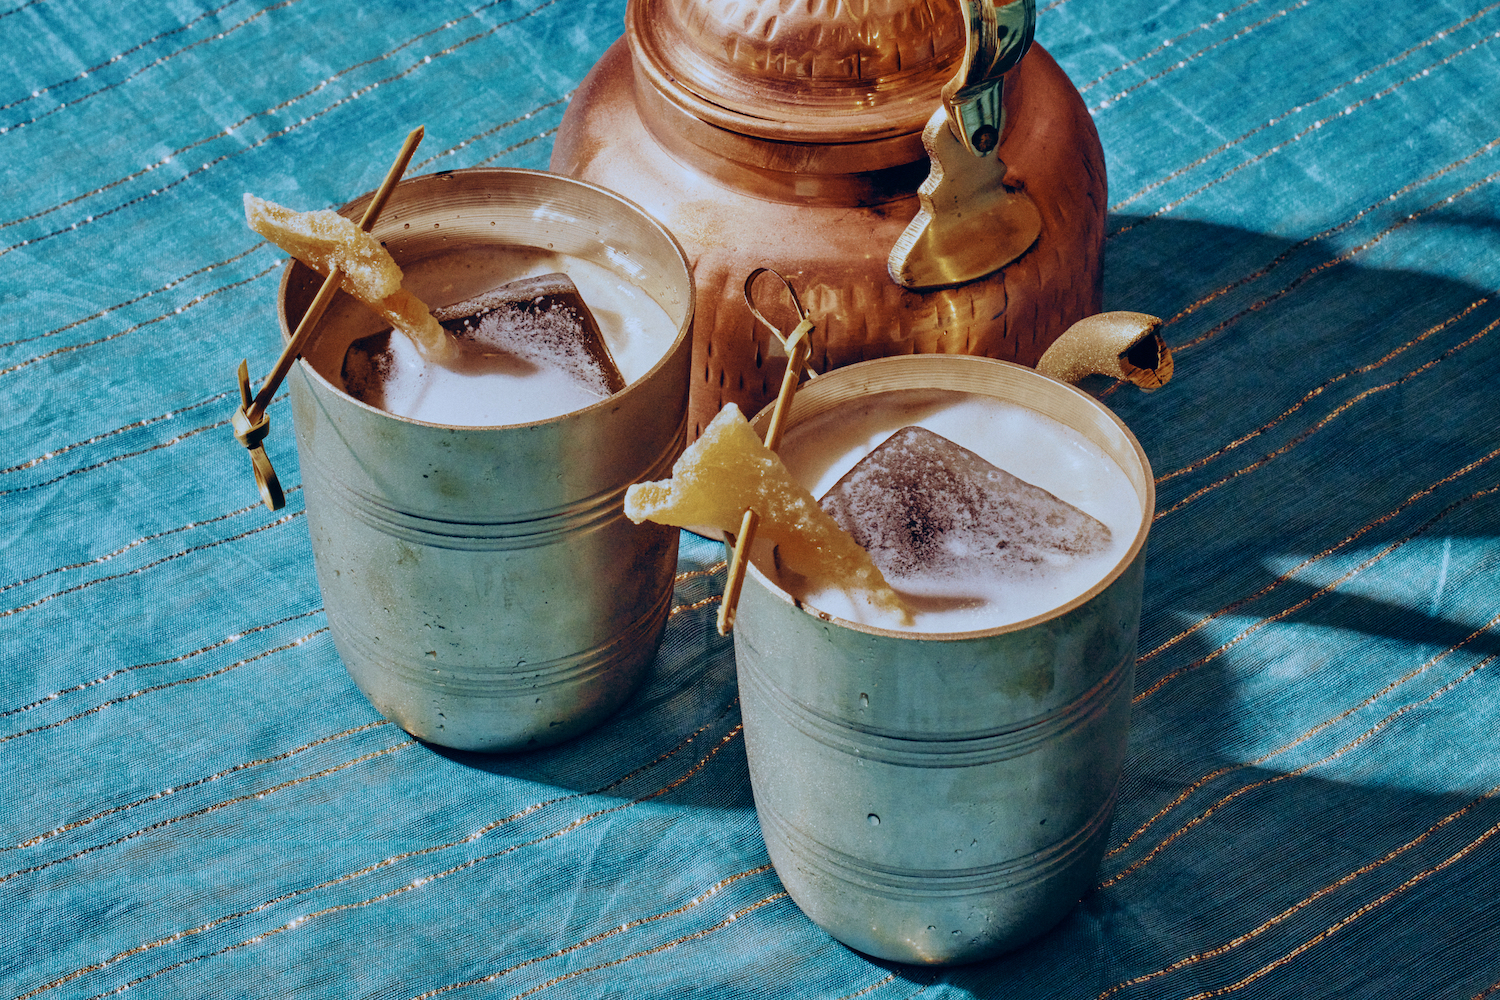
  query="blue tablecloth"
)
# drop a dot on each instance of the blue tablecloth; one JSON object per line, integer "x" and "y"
{"x": 198, "y": 802}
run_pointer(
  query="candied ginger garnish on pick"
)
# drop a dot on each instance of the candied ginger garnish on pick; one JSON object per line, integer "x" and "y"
{"x": 727, "y": 470}
{"x": 927, "y": 508}
{"x": 323, "y": 240}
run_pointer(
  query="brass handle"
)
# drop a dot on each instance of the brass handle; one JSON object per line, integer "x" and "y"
{"x": 999, "y": 33}
{"x": 1123, "y": 345}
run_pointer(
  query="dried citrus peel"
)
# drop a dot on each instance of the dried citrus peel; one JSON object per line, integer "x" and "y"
{"x": 729, "y": 470}
{"x": 324, "y": 240}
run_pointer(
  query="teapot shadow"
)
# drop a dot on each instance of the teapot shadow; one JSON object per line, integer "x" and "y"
{"x": 1307, "y": 746}
{"x": 1277, "y": 783}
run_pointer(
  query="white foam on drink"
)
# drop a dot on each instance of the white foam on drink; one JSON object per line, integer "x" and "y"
{"x": 1024, "y": 443}
{"x": 410, "y": 386}
{"x": 636, "y": 329}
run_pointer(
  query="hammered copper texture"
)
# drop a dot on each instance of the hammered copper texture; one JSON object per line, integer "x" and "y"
{"x": 836, "y": 255}
{"x": 868, "y": 43}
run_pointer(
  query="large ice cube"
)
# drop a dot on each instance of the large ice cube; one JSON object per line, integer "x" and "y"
{"x": 541, "y": 321}
{"x": 929, "y": 510}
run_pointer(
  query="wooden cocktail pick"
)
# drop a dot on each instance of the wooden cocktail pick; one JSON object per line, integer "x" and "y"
{"x": 251, "y": 424}
{"x": 798, "y": 346}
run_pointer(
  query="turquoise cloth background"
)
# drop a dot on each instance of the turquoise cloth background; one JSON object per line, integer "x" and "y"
{"x": 198, "y": 802}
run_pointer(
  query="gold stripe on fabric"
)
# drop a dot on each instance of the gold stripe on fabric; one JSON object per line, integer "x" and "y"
{"x": 1342, "y": 258}
{"x": 1304, "y": 737}
{"x": 194, "y": 783}
{"x": 398, "y": 891}
{"x": 206, "y": 810}
{"x": 605, "y": 935}
{"x": 873, "y": 987}
{"x": 1344, "y": 112}
{"x": 162, "y": 687}
{"x": 130, "y": 302}
{"x": 83, "y": 685}
{"x": 1299, "y": 108}
{"x": 1320, "y": 592}
{"x": 237, "y": 125}
{"x": 1488, "y": 992}
{"x": 196, "y": 300}
{"x": 892, "y": 978}
{"x": 1348, "y": 919}
{"x": 1323, "y": 387}
{"x": 691, "y": 574}
{"x": 284, "y": 519}
{"x": 1114, "y": 99}
{"x": 736, "y": 915}
{"x": 1357, "y": 533}
{"x": 1332, "y": 415}
{"x": 379, "y": 865}
{"x": 515, "y": 146}
{"x": 157, "y": 62}
{"x": 139, "y": 541}
{"x": 117, "y": 56}
{"x": 1165, "y": 46}
{"x": 105, "y": 435}
{"x": 1146, "y": 859}
{"x": 1305, "y": 276}
{"x": 193, "y": 432}
{"x": 1301, "y": 904}
{"x": 489, "y": 132}
{"x": 249, "y": 146}
{"x": 1282, "y": 257}
{"x": 696, "y": 605}
{"x": 33, "y": 3}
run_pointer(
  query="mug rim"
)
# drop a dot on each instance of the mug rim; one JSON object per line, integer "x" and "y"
{"x": 864, "y": 370}
{"x": 355, "y": 206}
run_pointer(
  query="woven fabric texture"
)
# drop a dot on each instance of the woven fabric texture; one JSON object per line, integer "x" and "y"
{"x": 198, "y": 802}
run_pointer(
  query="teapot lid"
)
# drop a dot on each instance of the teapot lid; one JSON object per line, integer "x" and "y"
{"x": 808, "y": 71}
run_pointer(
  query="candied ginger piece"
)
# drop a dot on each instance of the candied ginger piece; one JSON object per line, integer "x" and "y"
{"x": 541, "y": 320}
{"x": 926, "y": 508}
{"x": 323, "y": 240}
{"x": 727, "y": 470}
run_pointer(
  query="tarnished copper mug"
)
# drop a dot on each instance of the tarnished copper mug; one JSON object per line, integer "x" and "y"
{"x": 763, "y": 132}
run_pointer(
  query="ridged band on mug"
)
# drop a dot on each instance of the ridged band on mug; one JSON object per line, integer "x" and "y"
{"x": 575, "y": 670}
{"x": 525, "y": 530}
{"x": 1002, "y": 744}
{"x": 916, "y": 885}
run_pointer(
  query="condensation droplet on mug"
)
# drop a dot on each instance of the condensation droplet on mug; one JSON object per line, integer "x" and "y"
{"x": 872, "y": 819}
{"x": 864, "y": 700}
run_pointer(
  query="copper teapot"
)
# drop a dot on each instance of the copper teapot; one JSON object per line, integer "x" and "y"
{"x": 927, "y": 177}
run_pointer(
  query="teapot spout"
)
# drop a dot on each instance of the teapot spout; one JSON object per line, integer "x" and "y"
{"x": 1122, "y": 345}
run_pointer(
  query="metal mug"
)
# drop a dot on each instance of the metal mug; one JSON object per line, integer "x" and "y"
{"x": 482, "y": 584}
{"x": 943, "y": 798}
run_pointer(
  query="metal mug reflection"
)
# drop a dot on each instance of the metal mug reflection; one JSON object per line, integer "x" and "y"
{"x": 482, "y": 585}
{"x": 943, "y": 798}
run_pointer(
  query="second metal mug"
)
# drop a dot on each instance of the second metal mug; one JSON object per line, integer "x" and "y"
{"x": 943, "y": 798}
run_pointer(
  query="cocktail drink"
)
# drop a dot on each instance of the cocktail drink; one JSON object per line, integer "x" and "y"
{"x": 521, "y": 352}
{"x": 481, "y": 583}
{"x": 980, "y": 512}
{"x": 941, "y": 791}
